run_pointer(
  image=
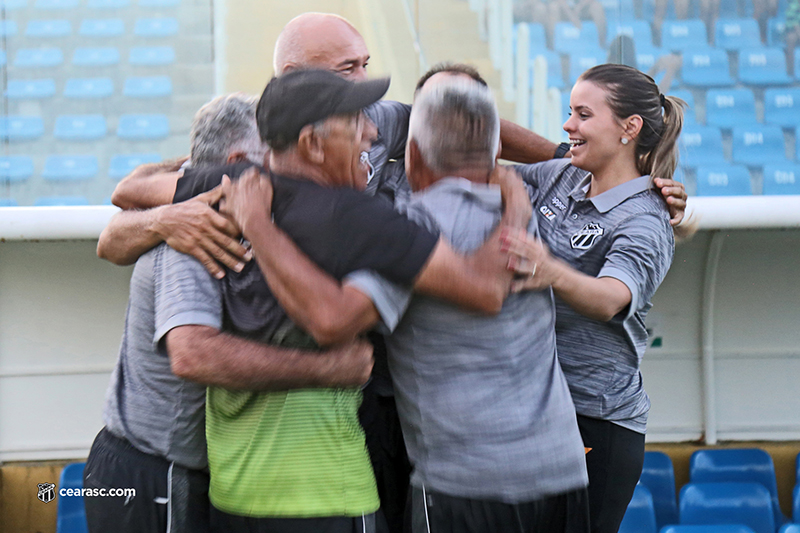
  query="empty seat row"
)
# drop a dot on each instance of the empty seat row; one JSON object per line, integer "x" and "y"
{"x": 143, "y": 27}
{"x": 16, "y": 169}
{"x": 85, "y": 127}
{"x": 734, "y": 180}
{"x": 754, "y": 145}
{"x": 91, "y": 57}
{"x": 15, "y": 5}
{"x": 90, "y": 88}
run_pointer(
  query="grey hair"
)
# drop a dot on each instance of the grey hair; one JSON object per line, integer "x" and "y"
{"x": 225, "y": 125}
{"x": 456, "y": 125}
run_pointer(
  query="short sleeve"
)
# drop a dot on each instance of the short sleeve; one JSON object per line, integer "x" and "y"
{"x": 199, "y": 180}
{"x": 185, "y": 293}
{"x": 391, "y": 119}
{"x": 541, "y": 175}
{"x": 640, "y": 256}
{"x": 390, "y": 299}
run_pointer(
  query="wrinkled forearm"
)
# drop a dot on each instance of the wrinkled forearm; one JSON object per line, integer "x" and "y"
{"x": 128, "y": 235}
{"x": 523, "y": 146}
{"x": 147, "y": 186}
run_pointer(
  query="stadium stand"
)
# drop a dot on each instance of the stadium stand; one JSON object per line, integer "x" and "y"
{"x": 568, "y": 38}
{"x": 583, "y": 60}
{"x": 783, "y": 178}
{"x": 70, "y": 167}
{"x": 723, "y": 180}
{"x": 782, "y": 107}
{"x": 735, "y": 34}
{"x": 143, "y": 127}
{"x": 707, "y": 67}
{"x": 39, "y": 58}
{"x": 71, "y": 515}
{"x": 758, "y": 144}
{"x": 682, "y": 35}
{"x": 763, "y": 67}
{"x": 52, "y": 201}
{"x": 89, "y": 88}
{"x": 80, "y": 127}
{"x": 658, "y": 476}
{"x": 21, "y": 128}
{"x": 16, "y": 168}
{"x": 30, "y": 89}
{"x": 727, "y": 503}
{"x": 640, "y": 516}
{"x": 701, "y": 145}
{"x": 638, "y": 30}
{"x": 726, "y": 108}
{"x": 122, "y": 165}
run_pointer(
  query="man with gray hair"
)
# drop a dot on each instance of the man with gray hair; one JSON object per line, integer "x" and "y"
{"x": 224, "y": 131}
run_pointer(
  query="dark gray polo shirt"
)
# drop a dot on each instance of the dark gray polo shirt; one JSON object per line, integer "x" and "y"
{"x": 625, "y": 234}
{"x": 484, "y": 406}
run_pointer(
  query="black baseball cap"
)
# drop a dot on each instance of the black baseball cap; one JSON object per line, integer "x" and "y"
{"x": 303, "y": 97}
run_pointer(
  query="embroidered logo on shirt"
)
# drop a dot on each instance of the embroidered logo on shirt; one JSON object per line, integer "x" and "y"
{"x": 587, "y": 236}
{"x": 547, "y": 212}
{"x": 558, "y": 203}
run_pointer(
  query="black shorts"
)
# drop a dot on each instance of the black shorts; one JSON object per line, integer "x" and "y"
{"x": 169, "y": 498}
{"x": 432, "y": 512}
{"x": 222, "y": 522}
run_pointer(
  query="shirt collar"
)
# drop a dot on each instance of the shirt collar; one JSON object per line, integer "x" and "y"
{"x": 613, "y": 197}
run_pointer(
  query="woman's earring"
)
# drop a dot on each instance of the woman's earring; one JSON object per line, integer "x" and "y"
{"x": 624, "y": 140}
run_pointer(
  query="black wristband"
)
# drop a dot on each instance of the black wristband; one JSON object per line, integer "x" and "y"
{"x": 562, "y": 150}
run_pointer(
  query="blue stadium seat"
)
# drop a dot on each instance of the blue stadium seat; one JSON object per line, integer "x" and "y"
{"x": 102, "y": 28}
{"x": 746, "y": 464}
{"x": 722, "y": 180}
{"x": 579, "y": 62}
{"x": 735, "y": 34}
{"x": 727, "y": 108}
{"x": 12, "y": 5}
{"x": 8, "y": 28}
{"x": 567, "y": 38}
{"x": 69, "y": 167}
{"x": 51, "y": 201}
{"x": 782, "y": 107}
{"x": 16, "y": 168}
{"x": 30, "y": 89}
{"x": 148, "y": 87}
{"x": 646, "y": 56}
{"x": 71, "y": 515}
{"x": 143, "y": 127}
{"x": 619, "y": 10}
{"x": 56, "y": 4}
{"x": 48, "y": 29}
{"x": 122, "y": 165}
{"x": 763, "y": 66}
{"x": 658, "y": 476}
{"x": 782, "y": 178}
{"x": 554, "y": 72}
{"x": 95, "y": 57}
{"x": 159, "y": 3}
{"x": 38, "y": 57}
{"x": 776, "y": 28}
{"x": 151, "y": 56}
{"x": 538, "y": 36}
{"x": 107, "y": 4}
{"x": 690, "y": 113}
{"x": 89, "y": 88}
{"x": 8, "y": 202}
{"x": 681, "y": 35}
{"x": 640, "y": 516}
{"x": 725, "y": 528}
{"x": 706, "y": 67}
{"x": 790, "y": 528}
{"x": 80, "y": 127}
{"x": 156, "y": 27}
{"x": 727, "y": 503}
{"x": 638, "y": 30}
{"x": 701, "y": 145}
{"x": 757, "y": 145}
{"x": 20, "y": 128}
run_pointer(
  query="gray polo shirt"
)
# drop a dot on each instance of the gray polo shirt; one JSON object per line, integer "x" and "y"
{"x": 156, "y": 411}
{"x": 484, "y": 406}
{"x": 623, "y": 233}
{"x": 391, "y": 119}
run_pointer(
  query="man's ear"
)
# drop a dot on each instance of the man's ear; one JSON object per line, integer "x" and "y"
{"x": 236, "y": 157}
{"x": 310, "y": 145}
{"x": 413, "y": 157}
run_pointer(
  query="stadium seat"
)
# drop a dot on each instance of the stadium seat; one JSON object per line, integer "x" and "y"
{"x": 89, "y": 88}
{"x": 13, "y": 5}
{"x": 725, "y": 528}
{"x": 782, "y": 107}
{"x": 39, "y": 57}
{"x": 706, "y": 67}
{"x": 51, "y": 201}
{"x": 8, "y": 28}
{"x": 48, "y": 29}
{"x": 682, "y": 35}
{"x": 102, "y": 28}
{"x": 156, "y": 27}
{"x": 538, "y": 36}
{"x": 56, "y": 4}
{"x": 567, "y": 38}
{"x": 776, "y": 28}
{"x": 122, "y": 165}
{"x": 659, "y": 477}
{"x": 20, "y": 128}
{"x": 640, "y": 516}
{"x": 159, "y": 3}
{"x": 748, "y": 504}
{"x": 143, "y": 127}
{"x": 148, "y": 87}
{"x": 723, "y": 180}
{"x": 151, "y": 56}
{"x": 8, "y": 202}
{"x": 646, "y": 56}
{"x": 763, "y": 66}
{"x": 782, "y": 178}
{"x": 790, "y": 528}
{"x": 15, "y": 168}
{"x": 757, "y": 145}
{"x": 95, "y": 57}
{"x": 735, "y": 34}
{"x": 638, "y": 30}
{"x": 701, "y": 145}
{"x": 619, "y": 10}
{"x": 80, "y": 127}
{"x": 727, "y": 108}
{"x": 71, "y": 514}
{"x": 555, "y": 77}
{"x": 107, "y": 4}
{"x": 579, "y": 62}
{"x": 69, "y": 167}
{"x": 690, "y": 114}
{"x": 30, "y": 89}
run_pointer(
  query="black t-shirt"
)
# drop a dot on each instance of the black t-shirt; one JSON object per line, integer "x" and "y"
{"x": 340, "y": 229}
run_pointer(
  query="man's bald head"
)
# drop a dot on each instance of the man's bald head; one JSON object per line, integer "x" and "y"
{"x": 321, "y": 40}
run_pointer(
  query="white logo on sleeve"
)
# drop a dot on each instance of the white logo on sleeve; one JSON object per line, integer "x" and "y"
{"x": 587, "y": 236}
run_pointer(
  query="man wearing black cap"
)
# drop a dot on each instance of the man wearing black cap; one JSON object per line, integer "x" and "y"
{"x": 296, "y": 460}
